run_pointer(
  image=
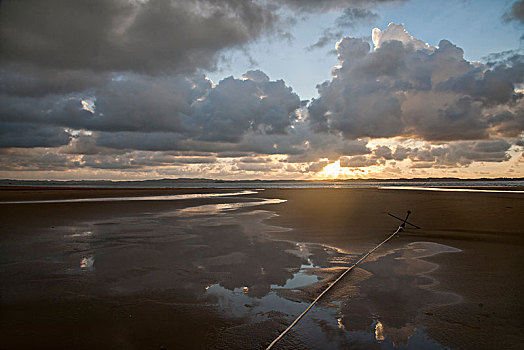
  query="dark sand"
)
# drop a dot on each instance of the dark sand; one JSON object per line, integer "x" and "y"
{"x": 152, "y": 274}
{"x": 488, "y": 273}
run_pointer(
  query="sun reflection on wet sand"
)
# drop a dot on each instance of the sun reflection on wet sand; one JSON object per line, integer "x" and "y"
{"x": 80, "y": 234}
{"x": 379, "y": 332}
{"x": 87, "y": 263}
{"x": 141, "y": 198}
{"x": 340, "y": 324}
{"x": 214, "y": 209}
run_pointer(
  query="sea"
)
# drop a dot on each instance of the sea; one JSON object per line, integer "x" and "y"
{"x": 261, "y": 184}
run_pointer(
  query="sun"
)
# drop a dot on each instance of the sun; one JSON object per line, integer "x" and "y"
{"x": 335, "y": 171}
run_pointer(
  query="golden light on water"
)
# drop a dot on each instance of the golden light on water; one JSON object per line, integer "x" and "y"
{"x": 340, "y": 324}
{"x": 379, "y": 332}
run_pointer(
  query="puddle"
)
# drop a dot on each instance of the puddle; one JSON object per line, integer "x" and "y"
{"x": 80, "y": 234}
{"x": 141, "y": 198}
{"x": 302, "y": 278}
{"x": 441, "y": 189}
{"x": 214, "y": 209}
{"x": 87, "y": 263}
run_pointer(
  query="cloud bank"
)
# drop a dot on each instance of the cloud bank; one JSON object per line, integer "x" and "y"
{"x": 103, "y": 87}
{"x": 405, "y": 88}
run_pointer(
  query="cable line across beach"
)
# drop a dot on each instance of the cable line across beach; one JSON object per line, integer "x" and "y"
{"x": 399, "y": 229}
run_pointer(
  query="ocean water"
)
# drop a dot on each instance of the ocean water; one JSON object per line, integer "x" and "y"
{"x": 217, "y": 184}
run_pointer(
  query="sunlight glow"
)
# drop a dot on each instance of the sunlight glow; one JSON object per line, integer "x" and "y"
{"x": 88, "y": 106}
{"x": 335, "y": 171}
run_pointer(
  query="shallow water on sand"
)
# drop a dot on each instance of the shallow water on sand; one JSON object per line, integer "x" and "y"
{"x": 170, "y": 197}
{"x": 221, "y": 257}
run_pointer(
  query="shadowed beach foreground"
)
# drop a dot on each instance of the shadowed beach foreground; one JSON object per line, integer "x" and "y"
{"x": 233, "y": 271}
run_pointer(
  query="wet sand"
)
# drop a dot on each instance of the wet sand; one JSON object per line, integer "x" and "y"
{"x": 231, "y": 272}
{"x": 488, "y": 273}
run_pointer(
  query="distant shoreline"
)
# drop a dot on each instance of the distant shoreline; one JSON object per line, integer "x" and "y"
{"x": 183, "y": 183}
{"x": 207, "y": 180}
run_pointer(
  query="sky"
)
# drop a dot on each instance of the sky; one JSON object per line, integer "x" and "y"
{"x": 261, "y": 89}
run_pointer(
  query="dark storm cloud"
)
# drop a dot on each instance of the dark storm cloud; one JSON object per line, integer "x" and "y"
{"x": 326, "y": 5}
{"x": 28, "y": 81}
{"x": 516, "y": 13}
{"x": 137, "y": 103}
{"x": 507, "y": 121}
{"x": 493, "y": 86}
{"x": 298, "y": 143}
{"x": 152, "y": 36}
{"x": 406, "y": 88}
{"x": 237, "y": 106}
{"x": 29, "y": 135}
{"x": 177, "y": 108}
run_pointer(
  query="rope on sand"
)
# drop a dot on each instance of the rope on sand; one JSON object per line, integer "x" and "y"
{"x": 399, "y": 229}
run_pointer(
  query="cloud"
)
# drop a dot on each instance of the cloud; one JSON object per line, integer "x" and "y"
{"x": 27, "y": 135}
{"x": 326, "y": 38}
{"x": 315, "y": 167}
{"x": 260, "y": 167}
{"x": 35, "y": 159}
{"x": 450, "y": 155}
{"x": 154, "y": 36}
{"x": 29, "y": 81}
{"x": 177, "y": 108}
{"x": 516, "y": 13}
{"x": 453, "y": 154}
{"x": 406, "y": 88}
{"x": 236, "y": 106}
{"x": 396, "y": 32}
{"x": 462, "y": 153}
{"x": 77, "y": 99}
{"x": 357, "y": 161}
{"x": 327, "y": 5}
{"x": 383, "y": 152}
{"x": 349, "y": 18}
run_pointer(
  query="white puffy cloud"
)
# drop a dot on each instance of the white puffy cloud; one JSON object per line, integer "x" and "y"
{"x": 396, "y": 32}
{"x": 406, "y": 88}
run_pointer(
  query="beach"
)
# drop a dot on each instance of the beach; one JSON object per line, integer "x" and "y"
{"x": 231, "y": 268}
